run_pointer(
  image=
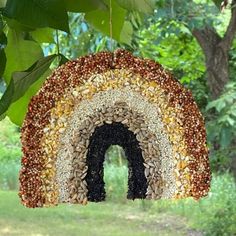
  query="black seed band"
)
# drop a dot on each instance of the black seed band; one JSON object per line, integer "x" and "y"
{"x": 102, "y": 138}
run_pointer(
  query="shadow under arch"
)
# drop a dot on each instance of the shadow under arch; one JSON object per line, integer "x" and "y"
{"x": 102, "y": 138}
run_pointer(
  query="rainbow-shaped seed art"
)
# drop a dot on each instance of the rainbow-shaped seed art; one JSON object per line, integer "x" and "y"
{"x": 99, "y": 100}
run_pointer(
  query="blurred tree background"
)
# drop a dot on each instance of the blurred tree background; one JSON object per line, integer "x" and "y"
{"x": 195, "y": 40}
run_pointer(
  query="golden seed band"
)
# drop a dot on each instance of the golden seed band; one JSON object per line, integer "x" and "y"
{"x": 88, "y": 85}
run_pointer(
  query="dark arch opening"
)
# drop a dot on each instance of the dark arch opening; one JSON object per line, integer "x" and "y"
{"x": 102, "y": 138}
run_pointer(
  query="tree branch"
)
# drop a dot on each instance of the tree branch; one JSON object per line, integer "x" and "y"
{"x": 207, "y": 38}
{"x": 231, "y": 30}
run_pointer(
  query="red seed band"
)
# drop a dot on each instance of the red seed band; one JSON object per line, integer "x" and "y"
{"x": 77, "y": 72}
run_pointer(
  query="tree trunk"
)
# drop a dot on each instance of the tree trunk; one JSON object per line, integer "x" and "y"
{"x": 216, "y": 51}
{"x": 217, "y": 70}
{"x": 216, "y": 59}
{"x": 233, "y": 162}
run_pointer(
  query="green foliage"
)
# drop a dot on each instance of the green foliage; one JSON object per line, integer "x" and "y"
{"x": 82, "y": 40}
{"x": 3, "y": 42}
{"x": 174, "y": 47}
{"x": 100, "y": 19}
{"x": 115, "y": 155}
{"x": 116, "y": 174}
{"x": 217, "y": 2}
{"x": 9, "y": 139}
{"x": 3, "y": 60}
{"x": 43, "y": 35}
{"x": 200, "y": 92}
{"x": 84, "y": 6}
{"x": 216, "y": 214}
{"x": 220, "y": 160}
{"x": 18, "y": 49}
{"x": 195, "y": 14}
{"x": 232, "y": 61}
{"x": 126, "y": 33}
{"x": 9, "y": 174}
{"x": 28, "y": 24}
{"x": 116, "y": 178}
{"x": 38, "y": 14}
{"x": 213, "y": 215}
{"x": 10, "y": 155}
{"x": 20, "y": 84}
{"x": 17, "y": 110}
{"x": 223, "y": 129}
{"x": 145, "y": 6}
{"x": 2, "y": 3}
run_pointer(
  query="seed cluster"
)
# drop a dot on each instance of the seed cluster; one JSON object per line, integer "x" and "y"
{"x": 53, "y": 120}
{"x": 79, "y": 121}
{"x": 119, "y": 113}
{"x": 101, "y": 139}
{"x": 138, "y": 103}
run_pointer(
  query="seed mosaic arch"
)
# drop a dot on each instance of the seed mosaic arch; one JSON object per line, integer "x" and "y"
{"x": 99, "y": 100}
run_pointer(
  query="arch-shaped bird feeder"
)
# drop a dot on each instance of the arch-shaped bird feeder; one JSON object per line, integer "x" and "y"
{"x": 99, "y": 100}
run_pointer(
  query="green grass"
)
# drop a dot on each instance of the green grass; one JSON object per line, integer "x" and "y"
{"x": 95, "y": 219}
{"x": 214, "y": 215}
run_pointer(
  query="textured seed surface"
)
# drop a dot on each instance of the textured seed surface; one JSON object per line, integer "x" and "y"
{"x": 76, "y": 81}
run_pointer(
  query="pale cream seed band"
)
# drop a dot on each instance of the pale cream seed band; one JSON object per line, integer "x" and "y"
{"x": 88, "y": 93}
{"x": 128, "y": 92}
{"x": 92, "y": 113}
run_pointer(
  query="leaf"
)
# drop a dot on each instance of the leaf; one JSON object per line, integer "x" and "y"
{"x": 63, "y": 59}
{"x": 212, "y": 131}
{"x": 17, "y": 110}
{"x": 211, "y": 105}
{"x": 2, "y": 116}
{"x": 3, "y": 60}
{"x": 144, "y": 6}
{"x": 225, "y": 136}
{"x": 126, "y": 33}
{"x": 20, "y": 53}
{"x": 1, "y": 24}
{"x": 221, "y": 4}
{"x": 220, "y": 105}
{"x": 218, "y": 3}
{"x": 2, "y": 3}
{"x": 185, "y": 30}
{"x": 233, "y": 112}
{"x": 230, "y": 121}
{"x": 229, "y": 98}
{"x": 21, "y": 81}
{"x": 84, "y": 6}
{"x": 14, "y": 24}
{"x": 100, "y": 19}
{"x": 43, "y": 35}
{"x": 3, "y": 40}
{"x": 38, "y": 13}
{"x": 223, "y": 119}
